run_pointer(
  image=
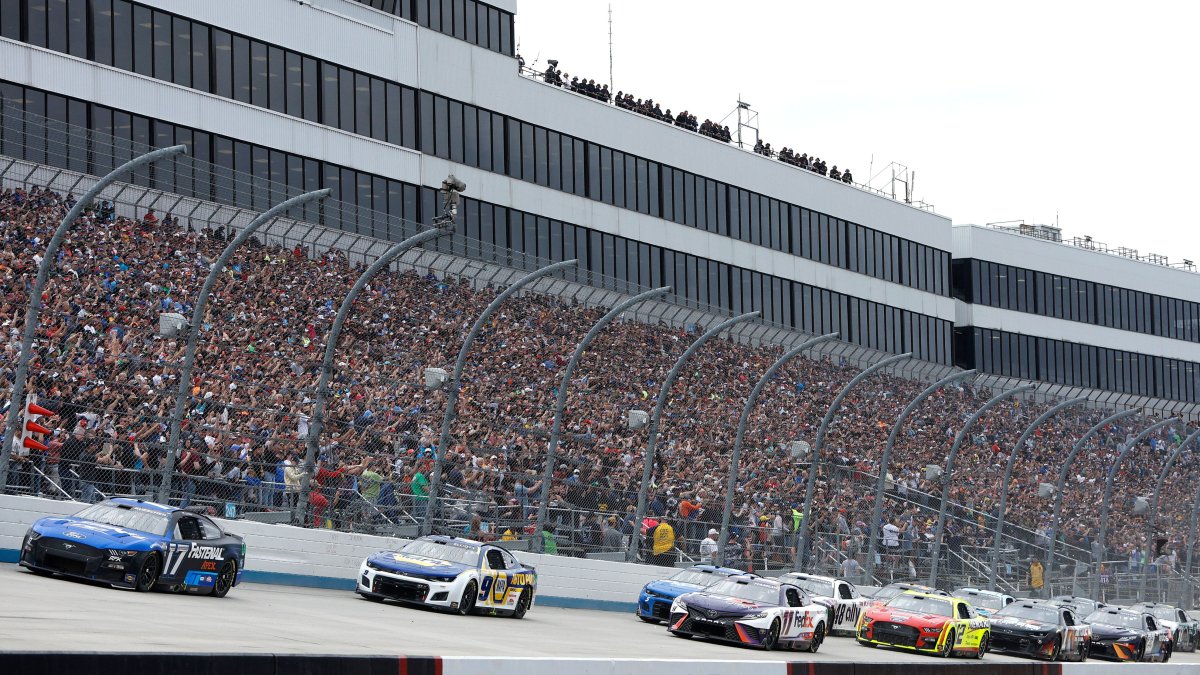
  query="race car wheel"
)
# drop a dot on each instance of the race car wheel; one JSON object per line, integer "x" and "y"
{"x": 522, "y": 606}
{"x": 1141, "y": 652}
{"x": 467, "y": 602}
{"x": 983, "y": 645}
{"x": 1085, "y": 650}
{"x": 947, "y": 646}
{"x": 771, "y": 641}
{"x": 1054, "y": 655}
{"x": 225, "y": 579}
{"x": 148, "y": 575}
{"x": 1167, "y": 653}
{"x": 817, "y": 638}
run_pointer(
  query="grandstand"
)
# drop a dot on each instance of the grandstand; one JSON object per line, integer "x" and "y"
{"x": 103, "y": 365}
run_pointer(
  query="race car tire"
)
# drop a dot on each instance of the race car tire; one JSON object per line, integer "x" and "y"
{"x": 467, "y": 602}
{"x": 1085, "y": 651}
{"x": 1141, "y": 652}
{"x": 947, "y": 649}
{"x": 818, "y": 637}
{"x": 771, "y": 641}
{"x": 225, "y": 579}
{"x": 522, "y": 606}
{"x": 983, "y": 645}
{"x": 147, "y": 576}
{"x": 1167, "y": 652}
{"x": 648, "y": 619}
{"x": 1057, "y": 653}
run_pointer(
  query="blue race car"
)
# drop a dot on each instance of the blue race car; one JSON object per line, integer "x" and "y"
{"x": 449, "y": 573}
{"x": 130, "y": 543}
{"x": 654, "y": 602}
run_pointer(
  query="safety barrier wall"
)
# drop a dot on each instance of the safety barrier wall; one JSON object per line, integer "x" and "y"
{"x": 290, "y": 664}
{"x": 298, "y": 556}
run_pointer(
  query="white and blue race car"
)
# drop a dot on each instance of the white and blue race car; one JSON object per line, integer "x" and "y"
{"x": 449, "y": 573}
{"x": 654, "y": 602}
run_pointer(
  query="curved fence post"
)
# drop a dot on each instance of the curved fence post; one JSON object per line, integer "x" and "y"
{"x": 1151, "y": 521}
{"x": 1008, "y": 469}
{"x": 33, "y": 313}
{"x": 947, "y": 474}
{"x": 189, "y": 357}
{"x": 663, "y": 393}
{"x": 1112, "y": 474}
{"x": 560, "y": 405}
{"x": 802, "y": 540}
{"x": 1062, "y": 481}
{"x": 312, "y": 442}
{"x": 455, "y": 382}
{"x": 885, "y": 462}
{"x": 743, "y": 422}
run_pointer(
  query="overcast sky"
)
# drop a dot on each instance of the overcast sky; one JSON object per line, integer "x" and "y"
{"x": 1084, "y": 111}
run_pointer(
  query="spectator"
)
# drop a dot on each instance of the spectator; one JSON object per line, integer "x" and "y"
{"x": 708, "y": 547}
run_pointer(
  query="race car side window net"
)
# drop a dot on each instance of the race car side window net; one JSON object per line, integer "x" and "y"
{"x": 189, "y": 529}
{"x": 963, "y": 612}
{"x": 495, "y": 560}
{"x": 793, "y": 598}
{"x": 845, "y": 591}
{"x": 1068, "y": 619}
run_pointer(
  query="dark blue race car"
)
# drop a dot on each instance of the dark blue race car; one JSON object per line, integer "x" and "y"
{"x": 135, "y": 544}
{"x": 654, "y": 602}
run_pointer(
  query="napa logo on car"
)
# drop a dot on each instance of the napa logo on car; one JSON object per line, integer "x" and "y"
{"x": 409, "y": 560}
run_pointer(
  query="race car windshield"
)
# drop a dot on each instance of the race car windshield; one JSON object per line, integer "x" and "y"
{"x": 1167, "y": 613}
{"x": 141, "y": 520}
{"x": 1018, "y": 611}
{"x": 815, "y": 586}
{"x": 696, "y": 578}
{"x": 889, "y": 592}
{"x": 463, "y": 555}
{"x": 987, "y": 601}
{"x": 922, "y": 605}
{"x": 1121, "y": 619}
{"x": 765, "y": 595}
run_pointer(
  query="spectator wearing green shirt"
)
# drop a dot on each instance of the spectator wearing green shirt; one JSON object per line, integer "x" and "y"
{"x": 419, "y": 487}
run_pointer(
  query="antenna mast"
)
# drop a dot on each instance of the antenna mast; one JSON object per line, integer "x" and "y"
{"x": 610, "y": 51}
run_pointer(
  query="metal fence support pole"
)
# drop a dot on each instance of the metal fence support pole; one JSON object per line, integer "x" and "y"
{"x": 189, "y": 358}
{"x": 1108, "y": 482}
{"x": 1154, "y": 501}
{"x": 815, "y": 460}
{"x": 743, "y": 422}
{"x": 885, "y": 462}
{"x": 33, "y": 312}
{"x": 1062, "y": 481}
{"x": 312, "y": 442}
{"x": 561, "y": 404}
{"x": 1008, "y": 469}
{"x": 663, "y": 393}
{"x": 455, "y": 382}
{"x": 1191, "y": 538}
{"x": 947, "y": 474}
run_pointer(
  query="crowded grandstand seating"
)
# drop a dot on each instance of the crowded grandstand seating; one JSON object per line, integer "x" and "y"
{"x": 101, "y": 363}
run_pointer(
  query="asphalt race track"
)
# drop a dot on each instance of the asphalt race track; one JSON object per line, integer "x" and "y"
{"x": 55, "y": 614}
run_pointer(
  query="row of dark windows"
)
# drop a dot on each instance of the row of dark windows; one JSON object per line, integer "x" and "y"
{"x": 612, "y": 261}
{"x": 1074, "y": 364}
{"x": 193, "y": 54}
{"x": 1023, "y": 290}
{"x": 475, "y": 22}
